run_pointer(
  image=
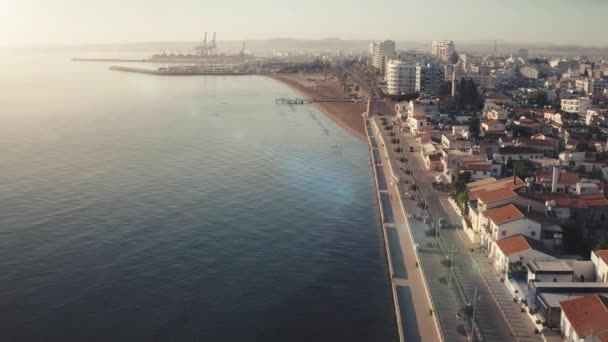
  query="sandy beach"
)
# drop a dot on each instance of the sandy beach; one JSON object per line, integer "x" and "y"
{"x": 315, "y": 86}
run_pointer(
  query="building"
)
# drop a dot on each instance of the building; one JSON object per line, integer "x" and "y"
{"x": 400, "y": 77}
{"x": 585, "y": 319}
{"x": 496, "y": 113}
{"x": 516, "y": 251}
{"x": 529, "y": 72}
{"x": 428, "y": 78}
{"x": 592, "y": 86}
{"x": 508, "y": 220}
{"x": 500, "y": 99}
{"x": 578, "y": 106}
{"x": 443, "y": 49}
{"x": 600, "y": 260}
{"x": 382, "y": 52}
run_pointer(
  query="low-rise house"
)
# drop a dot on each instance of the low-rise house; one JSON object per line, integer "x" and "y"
{"x": 416, "y": 122}
{"x": 493, "y": 125}
{"x": 507, "y": 220}
{"x": 455, "y": 142}
{"x": 497, "y": 113}
{"x": 433, "y": 162}
{"x": 585, "y": 319}
{"x": 600, "y": 261}
{"x": 515, "y": 251}
{"x": 500, "y": 99}
{"x": 595, "y": 116}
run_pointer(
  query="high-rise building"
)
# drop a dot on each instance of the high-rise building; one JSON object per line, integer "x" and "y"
{"x": 382, "y": 52}
{"x": 428, "y": 77}
{"x": 443, "y": 49}
{"x": 400, "y": 77}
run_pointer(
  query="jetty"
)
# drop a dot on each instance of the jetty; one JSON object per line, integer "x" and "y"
{"x": 183, "y": 71}
{"x": 284, "y": 100}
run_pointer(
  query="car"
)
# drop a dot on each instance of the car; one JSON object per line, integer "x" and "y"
{"x": 411, "y": 148}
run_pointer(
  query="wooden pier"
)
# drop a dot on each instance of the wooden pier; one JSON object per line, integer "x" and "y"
{"x": 284, "y": 100}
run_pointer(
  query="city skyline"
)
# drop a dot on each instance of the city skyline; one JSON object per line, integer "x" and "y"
{"x": 69, "y": 22}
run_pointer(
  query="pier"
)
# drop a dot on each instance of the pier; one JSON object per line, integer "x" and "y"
{"x": 184, "y": 71}
{"x": 284, "y": 100}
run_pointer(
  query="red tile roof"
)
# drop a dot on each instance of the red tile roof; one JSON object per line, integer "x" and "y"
{"x": 434, "y": 157}
{"x": 588, "y": 315}
{"x": 602, "y": 254}
{"x": 519, "y": 243}
{"x": 504, "y": 214}
{"x": 496, "y": 195}
{"x": 494, "y": 132}
{"x": 478, "y": 167}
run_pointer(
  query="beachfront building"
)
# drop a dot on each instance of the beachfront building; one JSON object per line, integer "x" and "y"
{"x": 443, "y": 49}
{"x": 516, "y": 251}
{"x": 600, "y": 261}
{"x": 585, "y": 318}
{"x": 381, "y": 53}
{"x": 428, "y": 77}
{"x": 400, "y": 77}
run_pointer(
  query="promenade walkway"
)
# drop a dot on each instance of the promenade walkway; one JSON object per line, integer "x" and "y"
{"x": 413, "y": 307}
{"x": 497, "y": 317}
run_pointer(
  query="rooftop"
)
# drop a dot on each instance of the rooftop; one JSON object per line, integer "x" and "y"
{"x": 588, "y": 315}
{"x": 549, "y": 267}
{"x": 519, "y": 243}
{"x": 496, "y": 195}
{"x": 504, "y": 214}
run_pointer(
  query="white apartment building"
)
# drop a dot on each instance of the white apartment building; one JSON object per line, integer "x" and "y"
{"x": 592, "y": 86}
{"x": 443, "y": 49}
{"x": 529, "y": 72}
{"x": 578, "y": 106}
{"x": 400, "y": 77}
{"x": 381, "y": 53}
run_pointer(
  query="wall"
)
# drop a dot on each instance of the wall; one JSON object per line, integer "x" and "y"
{"x": 601, "y": 269}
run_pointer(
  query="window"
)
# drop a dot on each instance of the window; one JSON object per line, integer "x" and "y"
{"x": 533, "y": 234}
{"x": 485, "y": 173}
{"x": 503, "y": 233}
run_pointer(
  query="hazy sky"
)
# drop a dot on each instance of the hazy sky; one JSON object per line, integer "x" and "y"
{"x": 36, "y": 22}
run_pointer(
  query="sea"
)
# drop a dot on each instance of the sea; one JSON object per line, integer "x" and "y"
{"x": 150, "y": 208}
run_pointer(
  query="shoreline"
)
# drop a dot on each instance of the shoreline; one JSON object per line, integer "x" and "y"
{"x": 345, "y": 114}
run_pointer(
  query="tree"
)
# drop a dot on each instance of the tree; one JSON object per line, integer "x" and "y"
{"x": 474, "y": 127}
{"x": 454, "y": 58}
{"x": 539, "y": 98}
{"x": 444, "y": 90}
{"x": 522, "y": 168}
{"x": 462, "y": 197}
{"x": 586, "y": 73}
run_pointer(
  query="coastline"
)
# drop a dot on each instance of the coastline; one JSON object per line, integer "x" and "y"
{"x": 345, "y": 114}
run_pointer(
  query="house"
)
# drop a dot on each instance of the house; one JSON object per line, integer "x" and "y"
{"x": 513, "y": 153}
{"x": 454, "y": 142}
{"x": 497, "y": 113}
{"x": 550, "y": 271}
{"x": 594, "y": 116}
{"x": 416, "y": 122}
{"x": 600, "y": 260}
{"x": 585, "y": 319}
{"x": 515, "y": 251}
{"x": 493, "y": 125}
{"x": 553, "y": 116}
{"x": 433, "y": 162}
{"x": 507, "y": 220}
{"x": 500, "y": 99}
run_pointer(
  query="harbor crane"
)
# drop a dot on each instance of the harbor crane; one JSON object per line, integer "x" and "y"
{"x": 204, "y": 49}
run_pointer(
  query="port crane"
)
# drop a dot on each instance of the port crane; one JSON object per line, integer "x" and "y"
{"x": 204, "y": 49}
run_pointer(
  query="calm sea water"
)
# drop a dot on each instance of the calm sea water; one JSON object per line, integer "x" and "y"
{"x": 143, "y": 208}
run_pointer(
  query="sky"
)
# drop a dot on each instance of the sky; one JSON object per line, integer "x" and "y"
{"x": 74, "y": 22}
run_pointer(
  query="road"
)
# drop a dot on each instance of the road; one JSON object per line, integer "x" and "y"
{"x": 491, "y": 320}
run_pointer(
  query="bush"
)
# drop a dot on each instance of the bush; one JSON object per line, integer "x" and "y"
{"x": 413, "y": 186}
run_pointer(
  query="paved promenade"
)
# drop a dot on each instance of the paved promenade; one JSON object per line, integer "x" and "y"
{"x": 497, "y": 317}
{"x": 415, "y": 317}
